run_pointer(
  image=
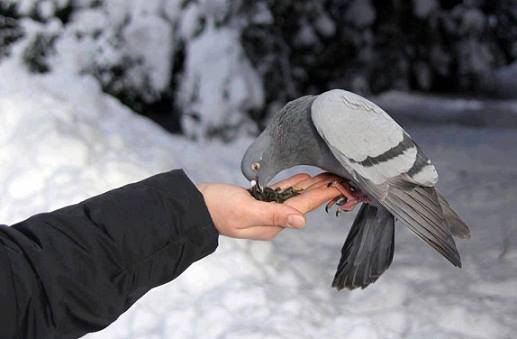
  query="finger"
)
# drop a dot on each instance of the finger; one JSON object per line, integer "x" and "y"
{"x": 274, "y": 214}
{"x": 313, "y": 198}
{"x": 259, "y": 232}
{"x": 322, "y": 177}
{"x": 325, "y": 181}
{"x": 291, "y": 181}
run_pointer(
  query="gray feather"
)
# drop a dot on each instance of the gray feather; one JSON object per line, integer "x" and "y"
{"x": 421, "y": 212}
{"x": 391, "y": 153}
{"x": 421, "y": 161}
{"x": 368, "y": 249}
{"x": 456, "y": 225}
{"x": 348, "y": 135}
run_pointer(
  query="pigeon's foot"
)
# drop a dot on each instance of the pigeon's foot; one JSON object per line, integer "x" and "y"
{"x": 348, "y": 200}
{"x": 337, "y": 201}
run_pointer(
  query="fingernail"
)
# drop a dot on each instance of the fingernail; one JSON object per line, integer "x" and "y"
{"x": 295, "y": 220}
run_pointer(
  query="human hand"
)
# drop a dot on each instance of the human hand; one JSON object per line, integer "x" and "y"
{"x": 235, "y": 213}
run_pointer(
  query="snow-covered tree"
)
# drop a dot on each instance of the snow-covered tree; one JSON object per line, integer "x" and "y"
{"x": 221, "y": 67}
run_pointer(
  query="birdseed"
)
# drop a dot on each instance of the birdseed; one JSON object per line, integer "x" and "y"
{"x": 269, "y": 194}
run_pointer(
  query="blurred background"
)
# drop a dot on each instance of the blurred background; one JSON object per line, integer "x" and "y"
{"x": 95, "y": 94}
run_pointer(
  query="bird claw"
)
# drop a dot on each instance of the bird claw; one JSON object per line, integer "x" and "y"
{"x": 331, "y": 203}
{"x": 350, "y": 197}
{"x": 342, "y": 200}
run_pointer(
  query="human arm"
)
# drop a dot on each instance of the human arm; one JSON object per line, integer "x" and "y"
{"x": 75, "y": 270}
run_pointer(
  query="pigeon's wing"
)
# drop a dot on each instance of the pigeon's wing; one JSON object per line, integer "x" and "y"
{"x": 386, "y": 163}
{"x": 418, "y": 207}
{"x": 458, "y": 227}
{"x": 368, "y": 141}
{"x": 368, "y": 250}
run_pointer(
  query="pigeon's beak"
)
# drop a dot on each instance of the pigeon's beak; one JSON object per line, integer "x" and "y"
{"x": 264, "y": 176}
{"x": 255, "y": 182}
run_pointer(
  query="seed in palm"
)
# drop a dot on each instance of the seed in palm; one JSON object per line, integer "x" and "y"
{"x": 269, "y": 194}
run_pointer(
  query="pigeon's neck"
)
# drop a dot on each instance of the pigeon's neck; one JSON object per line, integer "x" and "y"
{"x": 296, "y": 138}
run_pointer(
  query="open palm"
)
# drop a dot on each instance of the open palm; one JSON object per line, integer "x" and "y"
{"x": 235, "y": 213}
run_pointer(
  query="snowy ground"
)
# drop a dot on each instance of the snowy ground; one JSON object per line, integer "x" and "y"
{"x": 62, "y": 140}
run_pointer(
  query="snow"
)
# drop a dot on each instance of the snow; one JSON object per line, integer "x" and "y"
{"x": 325, "y": 25}
{"x": 219, "y": 83}
{"x": 423, "y": 8}
{"x": 427, "y": 109}
{"x": 306, "y": 36}
{"x": 361, "y": 13}
{"x": 150, "y": 40}
{"x": 63, "y": 140}
{"x": 501, "y": 82}
{"x": 261, "y": 14}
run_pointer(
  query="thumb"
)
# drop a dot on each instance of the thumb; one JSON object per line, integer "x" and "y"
{"x": 275, "y": 214}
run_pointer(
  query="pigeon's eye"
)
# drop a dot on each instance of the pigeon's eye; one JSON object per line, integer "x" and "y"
{"x": 255, "y": 166}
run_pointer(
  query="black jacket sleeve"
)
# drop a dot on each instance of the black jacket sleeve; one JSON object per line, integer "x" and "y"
{"x": 75, "y": 270}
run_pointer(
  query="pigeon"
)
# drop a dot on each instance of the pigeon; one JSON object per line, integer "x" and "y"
{"x": 382, "y": 168}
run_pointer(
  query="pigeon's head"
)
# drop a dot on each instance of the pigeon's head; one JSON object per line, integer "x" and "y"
{"x": 286, "y": 142}
{"x": 258, "y": 164}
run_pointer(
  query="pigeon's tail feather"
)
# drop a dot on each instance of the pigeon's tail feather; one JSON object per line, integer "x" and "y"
{"x": 420, "y": 210}
{"x": 368, "y": 249}
{"x": 457, "y": 226}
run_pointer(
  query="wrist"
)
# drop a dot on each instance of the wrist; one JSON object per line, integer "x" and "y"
{"x": 203, "y": 189}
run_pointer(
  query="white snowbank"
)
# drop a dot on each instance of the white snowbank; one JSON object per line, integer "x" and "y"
{"x": 142, "y": 38}
{"x": 425, "y": 109}
{"x": 63, "y": 140}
